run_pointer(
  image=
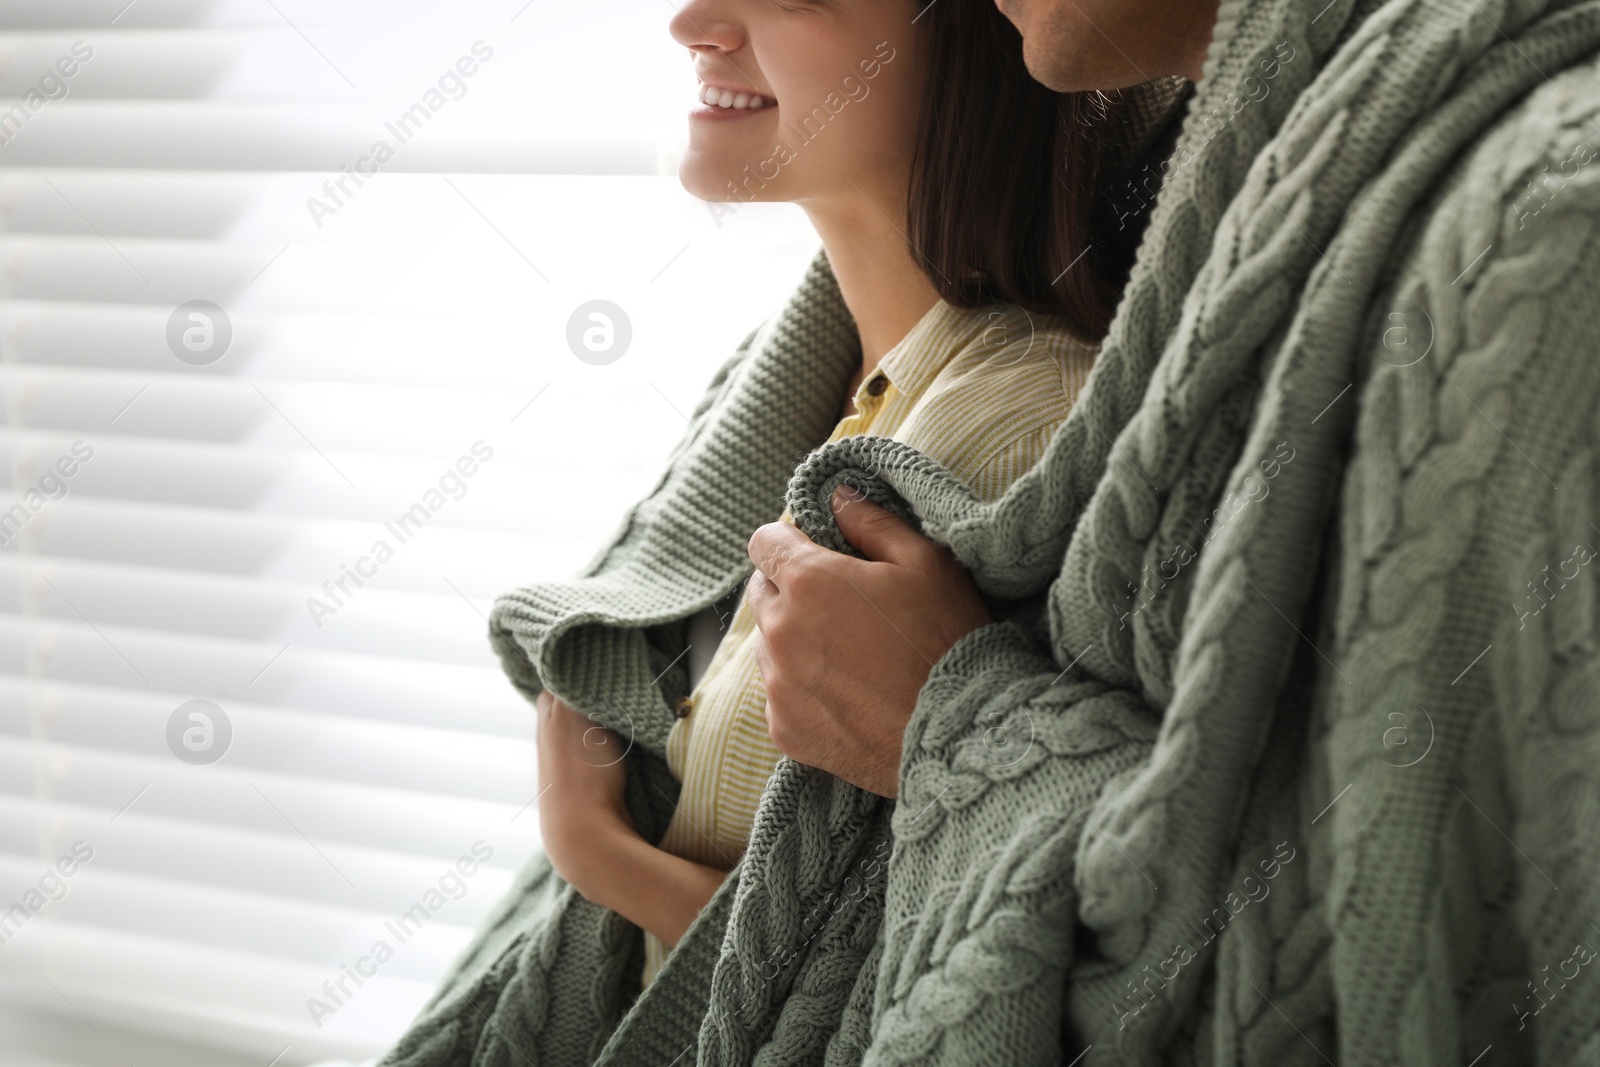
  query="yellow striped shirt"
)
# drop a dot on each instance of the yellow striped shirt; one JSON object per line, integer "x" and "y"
{"x": 980, "y": 391}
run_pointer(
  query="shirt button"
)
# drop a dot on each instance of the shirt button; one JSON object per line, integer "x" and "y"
{"x": 680, "y": 710}
{"x": 878, "y": 384}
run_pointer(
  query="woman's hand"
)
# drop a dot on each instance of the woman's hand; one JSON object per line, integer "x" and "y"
{"x": 846, "y": 644}
{"x": 589, "y": 834}
{"x": 581, "y": 778}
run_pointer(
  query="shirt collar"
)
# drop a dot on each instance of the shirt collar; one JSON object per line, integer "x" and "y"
{"x": 943, "y": 332}
{"x": 928, "y": 346}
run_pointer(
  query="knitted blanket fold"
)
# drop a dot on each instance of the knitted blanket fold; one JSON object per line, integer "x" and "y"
{"x": 1169, "y": 820}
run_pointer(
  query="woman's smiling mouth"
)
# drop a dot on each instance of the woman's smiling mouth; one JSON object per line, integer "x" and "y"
{"x": 720, "y": 100}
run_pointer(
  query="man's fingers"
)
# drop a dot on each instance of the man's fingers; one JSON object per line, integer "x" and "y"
{"x": 759, "y": 596}
{"x": 880, "y": 534}
{"x": 764, "y": 661}
{"x": 775, "y": 546}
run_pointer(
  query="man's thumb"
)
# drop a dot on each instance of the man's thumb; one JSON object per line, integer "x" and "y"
{"x": 881, "y": 535}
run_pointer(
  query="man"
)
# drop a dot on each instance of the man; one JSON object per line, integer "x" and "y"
{"x": 1428, "y": 364}
{"x": 1297, "y": 763}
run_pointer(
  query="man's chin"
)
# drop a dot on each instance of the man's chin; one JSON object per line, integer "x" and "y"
{"x": 1043, "y": 59}
{"x": 1059, "y": 42}
{"x": 1051, "y": 65}
{"x": 1053, "y": 57}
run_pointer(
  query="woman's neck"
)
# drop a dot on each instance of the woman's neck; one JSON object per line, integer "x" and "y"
{"x": 883, "y": 287}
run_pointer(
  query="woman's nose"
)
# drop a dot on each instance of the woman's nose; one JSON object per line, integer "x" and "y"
{"x": 706, "y": 24}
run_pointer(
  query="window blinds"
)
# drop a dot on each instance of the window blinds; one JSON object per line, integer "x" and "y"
{"x": 241, "y": 744}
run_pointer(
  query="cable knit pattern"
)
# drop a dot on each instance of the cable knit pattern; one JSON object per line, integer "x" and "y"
{"x": 1299, "y": 764}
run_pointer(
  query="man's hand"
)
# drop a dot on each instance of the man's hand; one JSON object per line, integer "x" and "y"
{"x": 846, "y": 644}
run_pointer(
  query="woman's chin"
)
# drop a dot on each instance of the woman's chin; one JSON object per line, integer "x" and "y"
{"x": 711, "y": 179}
{"x": 698, "y": 180}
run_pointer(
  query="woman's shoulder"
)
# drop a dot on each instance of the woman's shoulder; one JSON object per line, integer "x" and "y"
{"x": 1003, "y": 335}
{"x": 991, "y": 409}
{"x": 1018, "y": 360}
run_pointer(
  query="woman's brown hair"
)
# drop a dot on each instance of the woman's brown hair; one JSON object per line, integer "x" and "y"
{"x": 1002, "y": 203}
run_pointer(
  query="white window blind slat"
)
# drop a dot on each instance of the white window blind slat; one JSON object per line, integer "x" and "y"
{"x": 211, "y": 997}
{"x": 330, "y": 684}
{"x": 391, "y": 834}
{"x": 303, "y": 551}
{"x": 303, "y": 346}
{"x": 435, "y": 761}
{"x": 280, "y": 863}
{"x": 330, "y": 484}
{"x": 253, "y": 924}
{"x": 49, "y": 15}
{"x": 386, "y": 420}
{"x": 378, "y": 622}
{"x": 97, "y": 135}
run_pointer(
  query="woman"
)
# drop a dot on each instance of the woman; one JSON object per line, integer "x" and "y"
{"x": 952, "y": 196}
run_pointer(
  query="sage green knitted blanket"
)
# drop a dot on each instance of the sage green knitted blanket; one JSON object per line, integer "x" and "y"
{"x": 1291, "y": 757}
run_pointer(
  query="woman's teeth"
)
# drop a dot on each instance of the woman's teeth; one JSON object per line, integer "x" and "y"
{"x": 723, "y": 98}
